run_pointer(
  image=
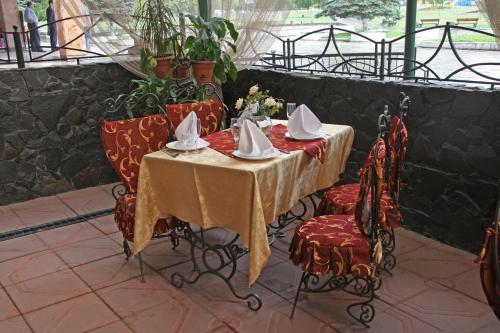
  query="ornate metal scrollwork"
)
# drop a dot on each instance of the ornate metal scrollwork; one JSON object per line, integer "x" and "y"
{"x": 284, "y": 220}
{"x": 219, "y": 260}
{"x": 118, "y": 190}
{"x": 129, "y": 103}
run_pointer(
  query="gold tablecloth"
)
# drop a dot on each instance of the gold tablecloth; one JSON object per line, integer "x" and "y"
{"x": 214, "y": 190}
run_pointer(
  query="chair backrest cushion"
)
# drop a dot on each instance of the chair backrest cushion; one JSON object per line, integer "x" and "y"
{"x": 125, "y": 142}
{"x": 210, "y": 113}
{"x": 363, "y": 210}
{"x": 398, "y": 146}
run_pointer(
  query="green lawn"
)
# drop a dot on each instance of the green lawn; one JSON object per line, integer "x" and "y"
{"x": 444, "y": 15}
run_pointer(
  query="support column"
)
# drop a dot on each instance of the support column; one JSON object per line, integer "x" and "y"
{"x": 411, "y": 22}
{"x": 205, "y": 8}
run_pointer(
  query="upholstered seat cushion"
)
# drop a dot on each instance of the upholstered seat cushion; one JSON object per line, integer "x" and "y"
{"x": 125, "y": 218}
{"x": 331, "y": 244}
{"x": 210, "y": 113}
{"x": 342, "y": 199}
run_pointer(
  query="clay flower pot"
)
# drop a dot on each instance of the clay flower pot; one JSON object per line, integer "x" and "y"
{"x": 163, "y": 66}
{"x": 203, "y": 70}
{"x": 181, "y": 70}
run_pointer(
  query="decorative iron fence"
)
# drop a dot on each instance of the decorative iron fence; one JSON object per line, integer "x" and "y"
{"x": 443, "y": 61}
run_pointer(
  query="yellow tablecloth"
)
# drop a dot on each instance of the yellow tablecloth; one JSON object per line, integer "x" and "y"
{"x": 214, "y": 190}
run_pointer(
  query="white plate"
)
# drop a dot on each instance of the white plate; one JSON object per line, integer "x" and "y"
{"x": 305, "y": 138}
{"x": 275, "y": 153}
{"x": 179, "y": 145}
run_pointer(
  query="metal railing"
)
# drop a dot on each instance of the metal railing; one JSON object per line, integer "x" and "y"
{"x": 384, "y": 59}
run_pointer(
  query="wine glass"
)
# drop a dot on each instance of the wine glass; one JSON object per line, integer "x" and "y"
{"x": 235, "y": 130}
{"x": 198, "y": 132}
{"x": 290, "y": 108}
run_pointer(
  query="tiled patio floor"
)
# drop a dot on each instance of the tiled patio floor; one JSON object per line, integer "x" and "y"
{"x": 75, "y": 279}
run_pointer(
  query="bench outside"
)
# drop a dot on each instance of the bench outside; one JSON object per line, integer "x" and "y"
{"x": 468, "y": 20}
{"x": 428, "y": 22}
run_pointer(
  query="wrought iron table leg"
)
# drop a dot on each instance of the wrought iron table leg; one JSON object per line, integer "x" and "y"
{"x": 284, "y": 220}
{"x": 227, "y": 255}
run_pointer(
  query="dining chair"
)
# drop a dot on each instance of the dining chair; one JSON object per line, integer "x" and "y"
{"x": 342, "y": 252}
{"x": 341, "y": 199}
{"x": 125, "y": 143}
{"x": 210, "y": 112}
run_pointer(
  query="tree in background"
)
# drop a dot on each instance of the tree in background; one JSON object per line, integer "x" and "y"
{"x": 365, "y": 10}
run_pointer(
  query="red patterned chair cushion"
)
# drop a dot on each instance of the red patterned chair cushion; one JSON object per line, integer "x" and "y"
{"x": 342, "y": 200}
{"x": 331, "y": 243}
{"x": 210, "y": 113}
{"x": 127, "y": 141}
{"x": 125, "y": 218}
{"x": 398, "y": 146}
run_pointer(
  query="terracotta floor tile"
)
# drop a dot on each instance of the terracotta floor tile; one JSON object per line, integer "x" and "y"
{"x": 282, "y": 278}
{"x": 70, "y": 234}
{"x": 492, "y": 327}
{"x": 117, "y": 237}
{"x": 106, "y": 224}
{"x": 447, "y": 310}
{"x": 116, "y": 327}
{"x": 173, "y": 315}
{"x": 80, "y": 253}
{"x": 405, "y": 242}
{"x": 283, "y": 244}
{"x": 42, "y": 210}
{"x": 9, "y": 220}
{"x": 132, "y": 296}
{"x": 7, "y": 309}
{"x": 159, "y": 253}
{"x": 30, "y": 266}
{"x": 76, "y": 315}
{"x": 19, "y": 247}
{"x": 468, "y": 283}
{"x": 109, "y": 271}
{"x": 277, "y": 257}
{"x": 14, "y": 325}
{"x": 88, "y": 200}
{"x": 401, "y": 285}
{"x": 109, "y": 187}
{"x": 46, "y": 290}
{"x": 434, "y": 262}
{"x": 390, "y": 320}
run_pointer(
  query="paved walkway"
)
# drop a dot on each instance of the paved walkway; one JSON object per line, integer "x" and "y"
{"x": 75, "y": 279}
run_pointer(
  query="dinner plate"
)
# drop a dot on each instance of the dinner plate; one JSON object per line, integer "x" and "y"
{"x": 179, "y": 145}
{"x": 275, "y": 153}
{"x": 305, "y": 138}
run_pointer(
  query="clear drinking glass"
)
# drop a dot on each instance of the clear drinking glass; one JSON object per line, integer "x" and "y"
{"x": 235, "y": 130}
{"x": 290, "y": 107}
{"x": 192, "y": 142}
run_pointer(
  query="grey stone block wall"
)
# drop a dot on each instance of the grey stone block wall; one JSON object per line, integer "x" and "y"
{"x": 49, "y": 138}
{"x": 453, "y": 165}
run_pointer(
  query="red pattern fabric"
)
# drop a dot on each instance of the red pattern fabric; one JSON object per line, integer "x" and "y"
{"x": 398, "y": 146}
{"x": 223, "y": 142}
{"x": 210, "y": 113}
{"x": 331, "y": 243}
{"x": 342, "y": 200}
{"x": 125, "y": 217}
{"x": 125, "y": 142}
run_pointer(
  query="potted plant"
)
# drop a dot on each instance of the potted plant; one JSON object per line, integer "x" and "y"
{"x": 155, "y": 22}
{"x": 206, "y": 49}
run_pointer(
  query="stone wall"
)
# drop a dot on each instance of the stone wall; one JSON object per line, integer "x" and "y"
{"x": 49, "y": 138}
{"x": 454, "y": 155}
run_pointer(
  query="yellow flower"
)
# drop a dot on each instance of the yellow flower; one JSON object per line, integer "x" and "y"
{"x": 279, "y": 105}
{"x": 270, "y": 101}
{"x": 253, "y": 90}
{"x": 239, "y": 103}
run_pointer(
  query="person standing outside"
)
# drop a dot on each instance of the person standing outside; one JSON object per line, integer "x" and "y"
{"x": 51, "y": 26}
{"x": 32, "y": 20}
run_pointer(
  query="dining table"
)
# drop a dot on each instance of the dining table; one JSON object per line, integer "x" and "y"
{"x": 211, "y": 188}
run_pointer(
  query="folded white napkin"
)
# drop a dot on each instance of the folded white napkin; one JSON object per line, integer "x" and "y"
{"x": 252, "y": 141}
{"x": 303, "y": 123}
{"x": 187, "y": 131}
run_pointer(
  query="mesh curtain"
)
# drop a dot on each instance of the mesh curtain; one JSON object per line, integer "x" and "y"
{"x": 491, "y": 10}
{"x": 113, "y": 26}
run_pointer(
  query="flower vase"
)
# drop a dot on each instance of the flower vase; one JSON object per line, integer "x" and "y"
{"x": 264, "y": 123}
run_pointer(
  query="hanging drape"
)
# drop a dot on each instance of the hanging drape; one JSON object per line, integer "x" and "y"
{"x": 491, "y": 10}
{"x": 113, "y": 26}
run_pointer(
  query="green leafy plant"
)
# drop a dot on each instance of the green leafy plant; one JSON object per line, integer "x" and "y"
{"x": 266, "y": 104}
{"x": 155, "y": 22}
{"x": 210, "y": 42}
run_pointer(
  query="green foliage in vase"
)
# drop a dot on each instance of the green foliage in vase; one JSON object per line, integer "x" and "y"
{"x": 210, "y": 41}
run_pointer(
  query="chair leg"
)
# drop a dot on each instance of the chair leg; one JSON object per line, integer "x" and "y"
{"x": 297, "y": 294}
{"x": 142, "y": 269}
{"x": 126, "y": 249}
